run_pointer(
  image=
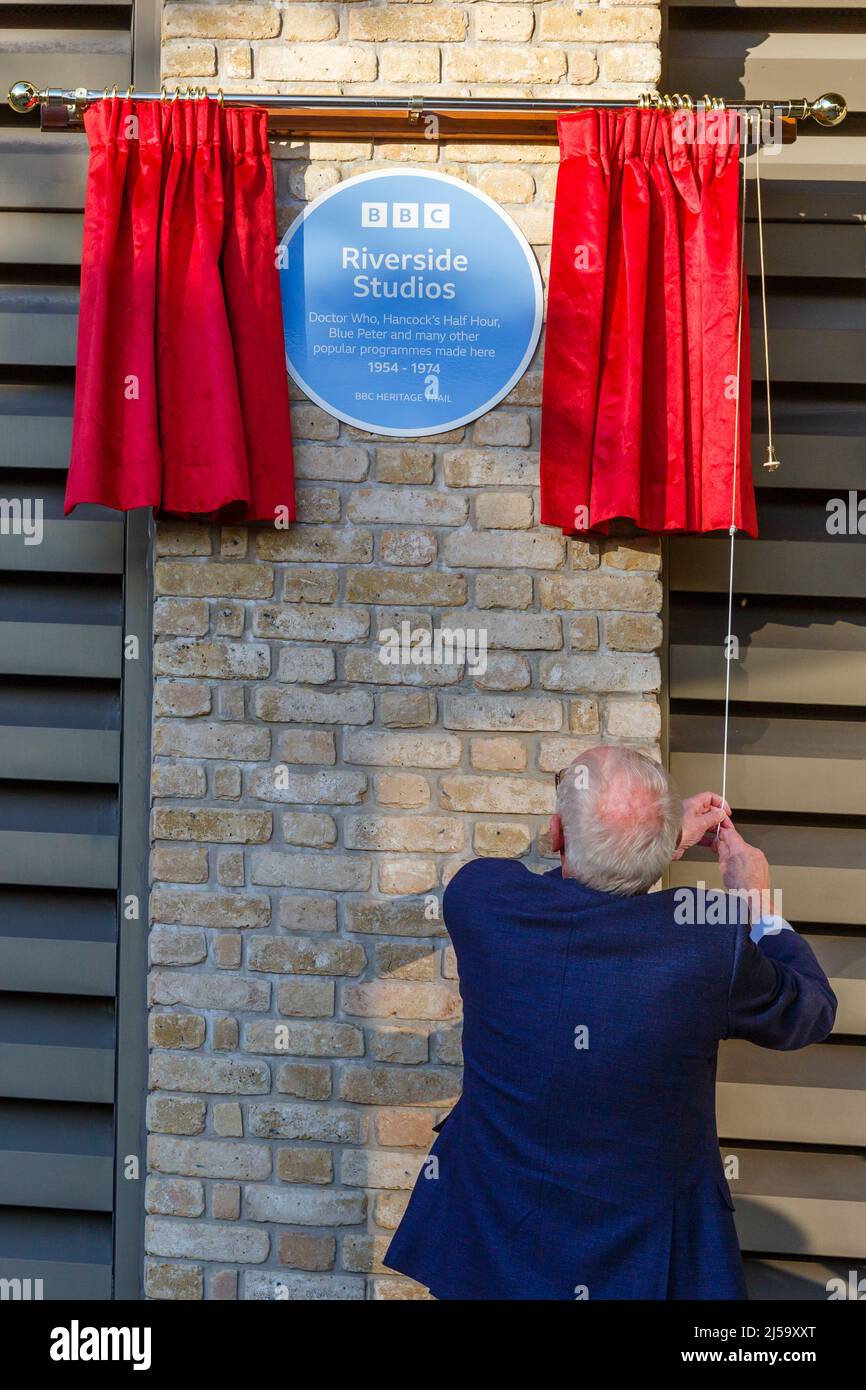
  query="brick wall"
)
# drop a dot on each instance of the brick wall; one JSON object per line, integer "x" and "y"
{"x": 309, "y": 802}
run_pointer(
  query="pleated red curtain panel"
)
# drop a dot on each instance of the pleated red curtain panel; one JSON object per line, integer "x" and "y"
{"x": 641, "y": 372}
{"x": 181, "y": 397}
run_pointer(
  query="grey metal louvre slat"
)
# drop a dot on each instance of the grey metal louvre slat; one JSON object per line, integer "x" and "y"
{"x": 58, "y": 755}
{"x": 837, "y": 1067}
{"x": 814, "y": 159}
{"x": 41, "y": 965}
{"x": 61, "y": 1281}
{"x": 60, "y": 649}
{"x": 35, "y": 441}
{"x": 776, "y": 65}
{"x": 814, "y": 1115}
{"x": 806, "y": 250}
{"x": 56, "y": 860}
{"x": 38, "y": 325}
{"x": 792, "y": 1281}
{"x": 816, "y": 1096}
{"x": 837, "y": 198}
{"x": 34, "y": 1072}
{"x": 843, "y": 958}
{"x": 32, "y": 238}
{"x": 818, "y": 569}
{"x": 825, "y": 461}
{"x": 819, "y": 354}
{"x": 68, "y": 546}
{"x": 35, "y": 424}
{"x": 71, "y": 1181}
{"x": 838, "y": 1177}
{"x": 815, "y": 786}
{"x": 810, "y": 893}
{"x": 801, "y": 1226}
{"x": 770, "y": 675}
{"x": 65, "y": 57}
{"x": 774, "y": 736}
{"x": 42, "y": 171}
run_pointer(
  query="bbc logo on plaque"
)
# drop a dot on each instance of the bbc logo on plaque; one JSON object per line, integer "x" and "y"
{"x": 436, "y": 216}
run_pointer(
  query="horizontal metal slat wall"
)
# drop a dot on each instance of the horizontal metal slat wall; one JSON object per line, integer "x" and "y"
{"x": 794, "y": 1122}
{"x": 61, "y": 626}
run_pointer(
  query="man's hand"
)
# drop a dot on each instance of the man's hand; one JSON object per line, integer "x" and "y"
{"x": 743, "y": 867}
{"x": 701, "y": 817}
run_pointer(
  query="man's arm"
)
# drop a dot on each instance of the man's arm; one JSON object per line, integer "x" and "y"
{"x": 779, "y": 995}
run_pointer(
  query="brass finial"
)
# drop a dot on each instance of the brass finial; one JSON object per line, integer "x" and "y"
{"x": 22, "y": 97}
{"x": 829, "y": 109}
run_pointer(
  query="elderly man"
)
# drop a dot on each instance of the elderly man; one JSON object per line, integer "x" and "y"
{"x": 582, "y": 1160}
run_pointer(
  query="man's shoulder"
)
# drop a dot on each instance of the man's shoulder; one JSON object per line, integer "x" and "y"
{"x": 490, "y": 869}
{"x": 483, "y": 876}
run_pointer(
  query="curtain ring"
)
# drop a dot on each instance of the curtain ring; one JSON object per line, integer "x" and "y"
{"x": 129, "y": 91}
{"x": 220, "y": 97}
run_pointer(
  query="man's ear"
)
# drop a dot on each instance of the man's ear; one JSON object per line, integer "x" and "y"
{"x": 557, "y": 840}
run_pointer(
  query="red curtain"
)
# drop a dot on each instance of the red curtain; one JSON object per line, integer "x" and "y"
{"x": 640, "y": 372}
{"x": 181, "y": 396}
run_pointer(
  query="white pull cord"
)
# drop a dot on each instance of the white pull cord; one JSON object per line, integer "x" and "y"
{"x": 732, "y": 530}
{"x": 771, "y": 462}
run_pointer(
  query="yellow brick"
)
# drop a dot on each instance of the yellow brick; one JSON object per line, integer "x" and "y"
{"x": 508, "y": 510}
{"x": 221, "y": 21}
{"x": 501, "y": 839}
{"x": 434, "y": 23}
{"x": 402, "y": 876}
{"x": 565, "y": 23}
{"x": 632, "y": 63}
{"x": 236, "y": 60}
{"x": 310, "y": 24}
{"x": 582, "y": 67}
{"x": 509, "y": 185}
{"x": 503, "y": 24}
{"x": 189, "y": 60}
{"x": 402, "y": 789}
{"x": 497, "y": 754}
{"x": 410, "y": 62}
{"x": 331, "y": 64}
{"x": 480, "y": 64}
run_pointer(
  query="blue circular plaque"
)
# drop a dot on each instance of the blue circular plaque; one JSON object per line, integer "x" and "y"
{"x": 411, "y": 302}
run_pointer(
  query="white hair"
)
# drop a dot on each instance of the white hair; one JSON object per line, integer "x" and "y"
{"x": 621, "y": 817}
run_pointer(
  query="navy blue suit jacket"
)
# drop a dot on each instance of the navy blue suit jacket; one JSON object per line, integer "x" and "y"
{"x": 582, "y": 1158}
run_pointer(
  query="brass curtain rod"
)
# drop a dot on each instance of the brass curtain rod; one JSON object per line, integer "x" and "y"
{"x": 63, "y": 108}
